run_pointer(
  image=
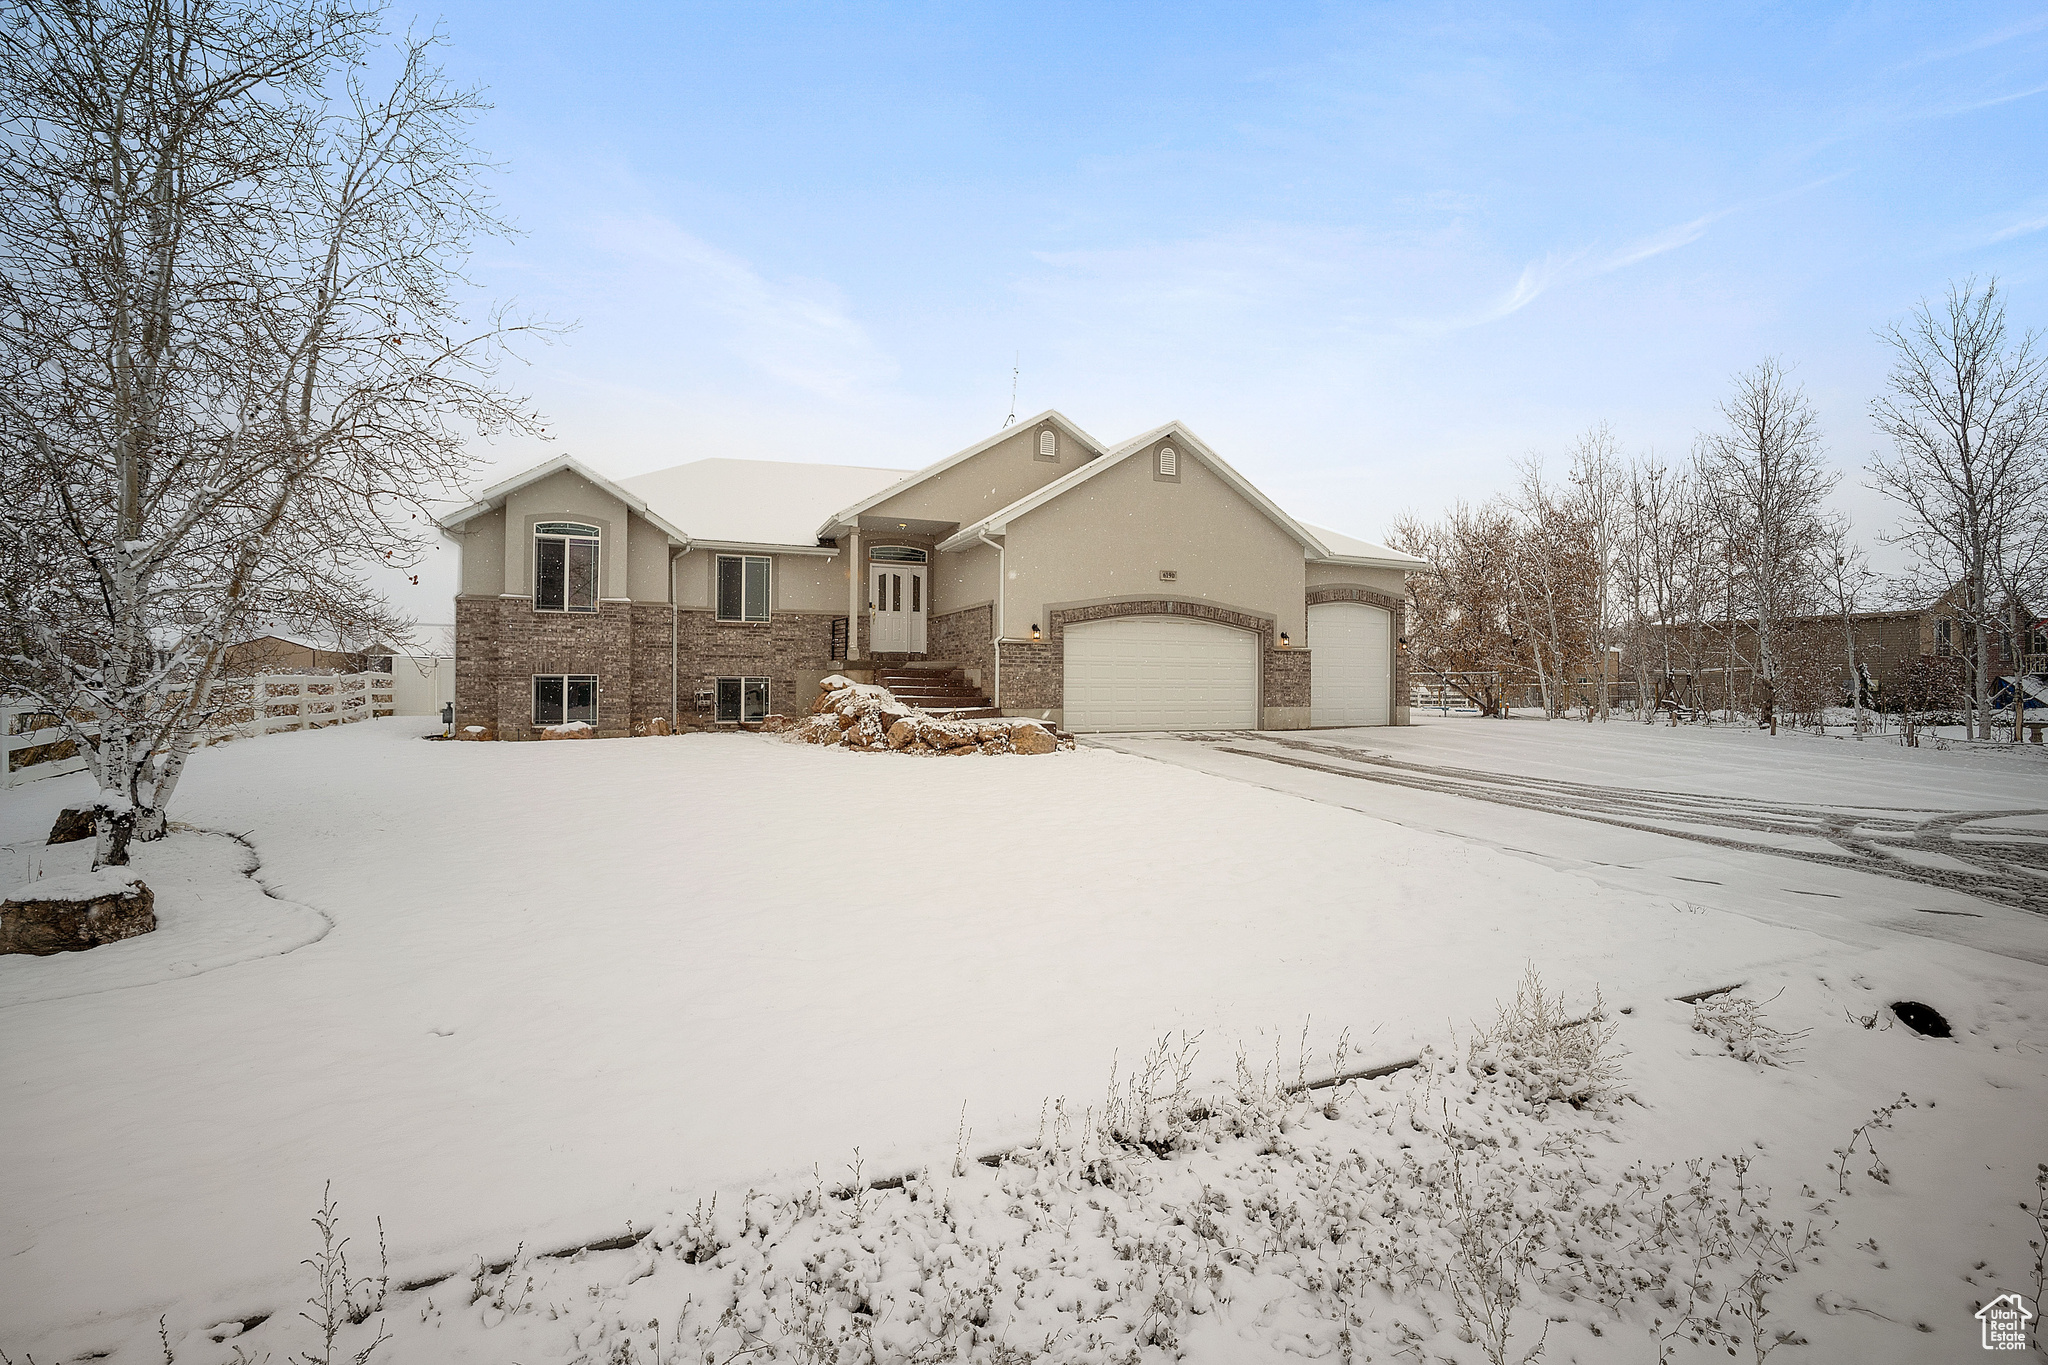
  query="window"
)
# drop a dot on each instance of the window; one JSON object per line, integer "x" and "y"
{"x": 743, "y": 587}
{"x": 564, "y": 566}
{"x": 896, "y": 554}
{"x": 1942, "y": 641}
{"x": 560, "y": 698}
{"x": 742, "y": 699}
{"x": 1169, "y": 463}
{"x": 1048, "y": 445}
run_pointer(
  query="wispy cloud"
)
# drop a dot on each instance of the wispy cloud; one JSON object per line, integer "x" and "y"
{"x": 1539, "y": 277}
{"x": 2019, "y": 229}
{"x": 798, "y": 331}
{"x": 2007, "y": 34}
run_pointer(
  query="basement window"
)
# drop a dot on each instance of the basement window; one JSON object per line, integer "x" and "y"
{"x": 561, "y": 698}
{"x": 743, "y": 582}
{"x": 742, "y": 699}
{"x": 564, "y": 566}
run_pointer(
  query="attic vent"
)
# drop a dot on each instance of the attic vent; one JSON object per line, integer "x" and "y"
{"x": 1169, "y": 463}
{"x": 1048, "y": 445}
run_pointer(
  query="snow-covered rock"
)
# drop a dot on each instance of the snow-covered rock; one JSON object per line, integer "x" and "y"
{"x": 71, "y": 913}
{"x": 865, "y": 716}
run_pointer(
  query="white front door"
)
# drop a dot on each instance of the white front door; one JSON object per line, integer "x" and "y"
{"x": 1350, "y": 664}
{"x": 896, "y": 607}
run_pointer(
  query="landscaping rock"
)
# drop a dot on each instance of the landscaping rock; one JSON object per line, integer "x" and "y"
{"x": 73, "y": 823}
{"x": 71, "y": 914}
{"x": 575, "y": 729}
{"x": 648, "y": 728}
{"x": 775, "y": 724}
{"x": 476, "y": 732}
{"x": 1033, "y": 739}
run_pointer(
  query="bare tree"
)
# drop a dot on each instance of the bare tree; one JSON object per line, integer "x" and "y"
{"x": 1769, "y": 482}
{"x": 1460, "y": 614}
{"x": 231, "y": 351}
{"x": 1967, "y": 416}
{"x": 1848, "y": 580}
{"x": 1597, "y": 488}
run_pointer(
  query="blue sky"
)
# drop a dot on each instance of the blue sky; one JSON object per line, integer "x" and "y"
{"x": 1372, "y": 254}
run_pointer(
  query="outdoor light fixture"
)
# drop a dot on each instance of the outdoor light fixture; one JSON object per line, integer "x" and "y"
{"x": 1283, "y": 639}
{"x": 1403, "y": 643}
{"x": 1034, "y": 632}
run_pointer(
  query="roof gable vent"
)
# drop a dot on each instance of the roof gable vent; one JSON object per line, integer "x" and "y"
{"x": 1048, "y": 445}
{"x": 1169, "y": 462}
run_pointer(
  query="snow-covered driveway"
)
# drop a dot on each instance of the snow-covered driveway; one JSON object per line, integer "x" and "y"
{"x": 1685, "y": 811}
{"x": 572, "y": 985}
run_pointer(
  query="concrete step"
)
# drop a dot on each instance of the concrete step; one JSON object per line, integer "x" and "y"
{"x": 965, "y": 712}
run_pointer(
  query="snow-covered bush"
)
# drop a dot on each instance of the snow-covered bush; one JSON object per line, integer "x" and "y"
{"x": 1550, "y": 1054}
{"x": 1737, "y": 1024}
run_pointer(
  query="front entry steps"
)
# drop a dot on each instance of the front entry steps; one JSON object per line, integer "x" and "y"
{"x": 942, "y": 691}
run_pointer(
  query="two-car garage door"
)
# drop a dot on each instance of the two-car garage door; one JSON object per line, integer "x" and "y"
{"x": 1160, "y": 673}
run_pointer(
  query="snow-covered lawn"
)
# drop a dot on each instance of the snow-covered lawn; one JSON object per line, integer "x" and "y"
{"x": 508, "y": 995}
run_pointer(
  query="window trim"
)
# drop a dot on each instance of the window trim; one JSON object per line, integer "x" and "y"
{"x": 596, "y": 697}
{"x": 568, "y": 533}
{"x": 767, "y": 699}
{"x": 768, "y": 592}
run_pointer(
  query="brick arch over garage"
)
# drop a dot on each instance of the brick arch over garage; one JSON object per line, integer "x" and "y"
{"x": 1349, "y": 592}
{"x": 1034, "y": 672}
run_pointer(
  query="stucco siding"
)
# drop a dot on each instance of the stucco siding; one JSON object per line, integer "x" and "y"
{"x": 989, "y": 482}
{"x": 1392, "y": 582}
{"x": 566, "y": 495}
{"x": 809, "y": 583}
{"x": 646, "y": 561}
{"x": 482, "y": 539}
{"x": 965, "y": 578}
{"x": 1112, "y": 536}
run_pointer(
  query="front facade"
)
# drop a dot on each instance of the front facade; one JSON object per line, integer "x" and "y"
{"x": 1141, "y": 586}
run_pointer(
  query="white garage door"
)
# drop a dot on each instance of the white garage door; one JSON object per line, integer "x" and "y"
{"x": 1161, "y": 673}
{"x": 1349, "y": 673}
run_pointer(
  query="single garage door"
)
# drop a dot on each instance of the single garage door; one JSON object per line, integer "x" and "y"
{"x": 1349, "y": 664}
{"x": 1161, "y": 673}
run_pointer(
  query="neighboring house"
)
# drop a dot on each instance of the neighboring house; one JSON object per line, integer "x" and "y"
{"x": 275, "y": 653}
{"x": 1145, "y": 585}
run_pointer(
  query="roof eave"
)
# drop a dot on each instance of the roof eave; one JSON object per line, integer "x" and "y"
{"x": 850, "y": 515}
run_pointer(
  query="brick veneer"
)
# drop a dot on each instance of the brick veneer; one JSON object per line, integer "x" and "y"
{"x": 502, "y": 642}
{"x": 1034, "y": 673}
{"x": 1398, "y": 608}
{"x": 779, "y": 649}
{"x": 967, "y": 637}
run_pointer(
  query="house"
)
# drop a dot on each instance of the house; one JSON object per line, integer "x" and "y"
{"x": 1039, "y": 572}
{"x": 274, "y": 652}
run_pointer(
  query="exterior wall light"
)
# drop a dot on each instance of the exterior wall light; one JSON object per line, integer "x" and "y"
{"x": 1034, "y": 632}
{"x": 1283, "y": 640}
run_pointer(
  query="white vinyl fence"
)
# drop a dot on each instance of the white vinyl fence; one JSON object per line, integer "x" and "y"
{"x": 34, "y": 745}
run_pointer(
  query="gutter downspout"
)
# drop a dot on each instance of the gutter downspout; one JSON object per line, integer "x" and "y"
{"x": 997, "y": 643}
{"x": 674, "y": 719}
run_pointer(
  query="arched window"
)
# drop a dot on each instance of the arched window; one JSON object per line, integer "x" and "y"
{"x": 896, "y": 554}
{"x": 565, "y": 566}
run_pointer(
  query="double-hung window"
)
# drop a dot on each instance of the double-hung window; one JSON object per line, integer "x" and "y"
{"x": 564, "y": 566}
{"x": 742, "y": 699}
{"x": 558, "y": 698}
{"x": 743, "y": 582}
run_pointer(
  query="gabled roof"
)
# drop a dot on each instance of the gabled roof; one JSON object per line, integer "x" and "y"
{"x": 1349, "y": 550}
{"x": 756, "y": 502}
{"x": 494, "y": 496}
{"x": 848, "y": 515}
{"x": 998, "y": 522}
